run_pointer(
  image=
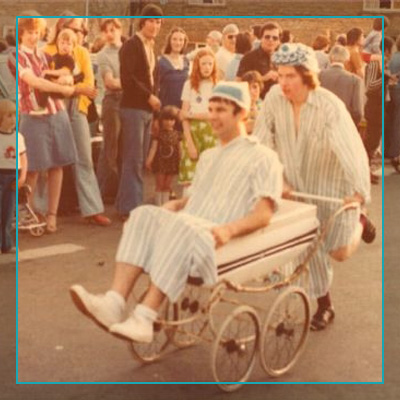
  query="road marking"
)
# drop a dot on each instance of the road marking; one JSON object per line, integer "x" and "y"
{"x": 49, "y": 251}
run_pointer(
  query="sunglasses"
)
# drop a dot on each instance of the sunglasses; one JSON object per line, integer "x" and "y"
{"x": 230, "y": 37}
{"x": 271, "y": 37}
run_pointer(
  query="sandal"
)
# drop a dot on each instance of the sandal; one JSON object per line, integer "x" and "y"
{"x": 51, "y": 223}
{"x": 322, "y": 318}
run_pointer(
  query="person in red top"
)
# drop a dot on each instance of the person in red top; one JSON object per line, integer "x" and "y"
{"x": 45, "y": 127}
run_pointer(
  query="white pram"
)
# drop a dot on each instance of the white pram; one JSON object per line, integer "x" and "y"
{"x": 254, "y": 308}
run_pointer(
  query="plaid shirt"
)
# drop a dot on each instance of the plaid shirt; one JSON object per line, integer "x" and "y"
{"x": 34, "y": 61}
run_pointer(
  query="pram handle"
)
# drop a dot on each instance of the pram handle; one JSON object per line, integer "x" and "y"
{"x": 317, "y": 197}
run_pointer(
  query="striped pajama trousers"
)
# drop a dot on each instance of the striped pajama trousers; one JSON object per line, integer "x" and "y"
{"x": 169, "y": 247}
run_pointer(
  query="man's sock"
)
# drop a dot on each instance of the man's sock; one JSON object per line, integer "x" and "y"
{"x": 145, "y": 313}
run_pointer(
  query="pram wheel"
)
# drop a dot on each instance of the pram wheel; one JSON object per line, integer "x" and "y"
{"x": 235, "y": 347}
{"x": 37, "y": 231}
{"x": 285, "y": 331}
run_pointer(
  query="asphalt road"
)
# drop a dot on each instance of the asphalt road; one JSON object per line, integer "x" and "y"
{"x": 57, "y": 344}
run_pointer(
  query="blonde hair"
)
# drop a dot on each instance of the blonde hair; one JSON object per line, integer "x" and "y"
{"x": 6, "y": 107}
{"x": 69, "y": 35}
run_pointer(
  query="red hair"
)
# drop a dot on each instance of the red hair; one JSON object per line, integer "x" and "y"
{"x": 195, "y": 76}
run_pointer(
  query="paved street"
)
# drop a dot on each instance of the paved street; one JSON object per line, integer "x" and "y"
{"x": 57, "y": 344}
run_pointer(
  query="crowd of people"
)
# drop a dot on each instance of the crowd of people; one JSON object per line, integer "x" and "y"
{"x": 309, "y": 105}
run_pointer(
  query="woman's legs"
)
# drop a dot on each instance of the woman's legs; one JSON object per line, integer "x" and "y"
{"x": 55, "y": 176}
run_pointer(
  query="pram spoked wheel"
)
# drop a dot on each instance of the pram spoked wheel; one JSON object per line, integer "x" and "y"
{"x": 285, "y": 331}
{"x": 235, "y": 347}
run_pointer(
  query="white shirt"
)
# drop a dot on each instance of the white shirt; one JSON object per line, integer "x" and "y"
{"x": 198, "y": 100}
{"x": 223, "y": 58}
{"x": 8, "y": 151}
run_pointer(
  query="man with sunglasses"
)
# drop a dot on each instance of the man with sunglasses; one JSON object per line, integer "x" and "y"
{"x": 259, "y": 59}
{"x": 226, "y": 52}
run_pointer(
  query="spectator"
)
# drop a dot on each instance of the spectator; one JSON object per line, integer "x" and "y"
{"x": 392, "y": 145}
{"x": 164, "y": 154}
{"x": 140, "y": 80}
{"x": 49, "y": 141}
{"x": 9, "y": 154}
{"x": 373, "y": 106}
{"x": 341, "y": 39}
{"x": 3, "y": 46}
{"x": 254, "y": 79}
{"x": 347, "y": 86}
{"x": 174, "y": 68}
{"x": 226, "y": 53}
{"x": 109, "y": 73}
{"x": 255, "y": 31}
{"x": 87, "y": 188}
{"x": 260, "y": 59}
{"x": 355, "y": 39}
{"x": 372, "y": 43}
{"x": 243, "y": 46}
{"x": 321, "y": 47}
{"x": 214, "y": 40}
{"x": 198, "y": 134}
{"x": 287, "y": 36}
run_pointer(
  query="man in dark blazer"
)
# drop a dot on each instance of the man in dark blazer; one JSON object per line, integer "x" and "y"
{"x": 347, "y": 86}
{"x": 139, "y": 81}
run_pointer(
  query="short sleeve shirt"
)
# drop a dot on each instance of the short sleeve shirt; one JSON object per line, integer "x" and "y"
{"x": 198, "y": 100}
{"x": 8, "y": 151}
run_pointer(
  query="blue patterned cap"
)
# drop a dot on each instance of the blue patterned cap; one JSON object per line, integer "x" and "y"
{"x": 238, "y": 92}
{"x": 296, "y": 54}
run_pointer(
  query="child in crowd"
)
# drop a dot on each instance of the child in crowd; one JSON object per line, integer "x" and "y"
{"x": 164, "y": 154}
{"x": 198, "y": 134}
{"x": 372, "y": 43}
{"x": 63, "y": 68}
{"x": 8, "y": 163}
{"x": 256, "y": 85}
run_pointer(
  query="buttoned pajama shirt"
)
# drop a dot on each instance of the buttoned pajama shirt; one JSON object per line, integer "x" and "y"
{"x": 325, "y": 157}
{"x": 228, "y": 183}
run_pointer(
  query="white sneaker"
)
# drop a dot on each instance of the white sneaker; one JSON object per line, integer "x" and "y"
{"x": 102, "y": 309}
{"x": 134, "y": 328}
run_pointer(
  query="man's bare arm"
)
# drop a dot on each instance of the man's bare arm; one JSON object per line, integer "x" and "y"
{"x": 258, "y": 218}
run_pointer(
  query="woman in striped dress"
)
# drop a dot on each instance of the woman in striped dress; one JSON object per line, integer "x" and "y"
{"x": 234, "y": 192}
{"x": 45, "y": 127}
{"x": 322, "y": 154}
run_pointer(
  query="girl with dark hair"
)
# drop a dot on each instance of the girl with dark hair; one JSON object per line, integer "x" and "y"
{"x": 355, "y": 40}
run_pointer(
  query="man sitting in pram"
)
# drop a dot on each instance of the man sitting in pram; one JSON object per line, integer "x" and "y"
{"x": 235, "y": 191}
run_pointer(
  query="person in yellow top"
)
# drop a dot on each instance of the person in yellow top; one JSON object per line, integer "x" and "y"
{"x": 89, "y": 197}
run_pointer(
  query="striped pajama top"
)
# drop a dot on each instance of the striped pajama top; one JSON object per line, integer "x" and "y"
{"x": 326, "y": 157}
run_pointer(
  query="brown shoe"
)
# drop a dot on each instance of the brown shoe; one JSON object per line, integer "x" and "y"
{"x": 99, "y": 219}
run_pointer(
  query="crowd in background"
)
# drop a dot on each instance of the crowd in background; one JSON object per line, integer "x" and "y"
{"x": 153, "y": 109}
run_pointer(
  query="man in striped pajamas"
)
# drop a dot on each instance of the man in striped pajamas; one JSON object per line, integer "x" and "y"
{"x": 322, "y": 154}
{"x": 235, "y": 191}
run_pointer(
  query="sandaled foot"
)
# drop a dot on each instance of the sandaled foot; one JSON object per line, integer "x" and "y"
{"x": 322, "y": 318}
{"x": 51, "y": 223}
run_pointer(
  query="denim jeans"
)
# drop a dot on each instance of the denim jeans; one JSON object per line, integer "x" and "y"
{"x": 136, "y": 126}
{"x": 87, "y": 188}
{"x": 107, "y": 165}
{"x": 7, "y": 207}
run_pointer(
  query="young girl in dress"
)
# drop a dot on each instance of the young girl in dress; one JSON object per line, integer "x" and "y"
{"x": 164, "y": 154}
{"x": 8, "y": 163}
{"x": 198, "y": 135}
